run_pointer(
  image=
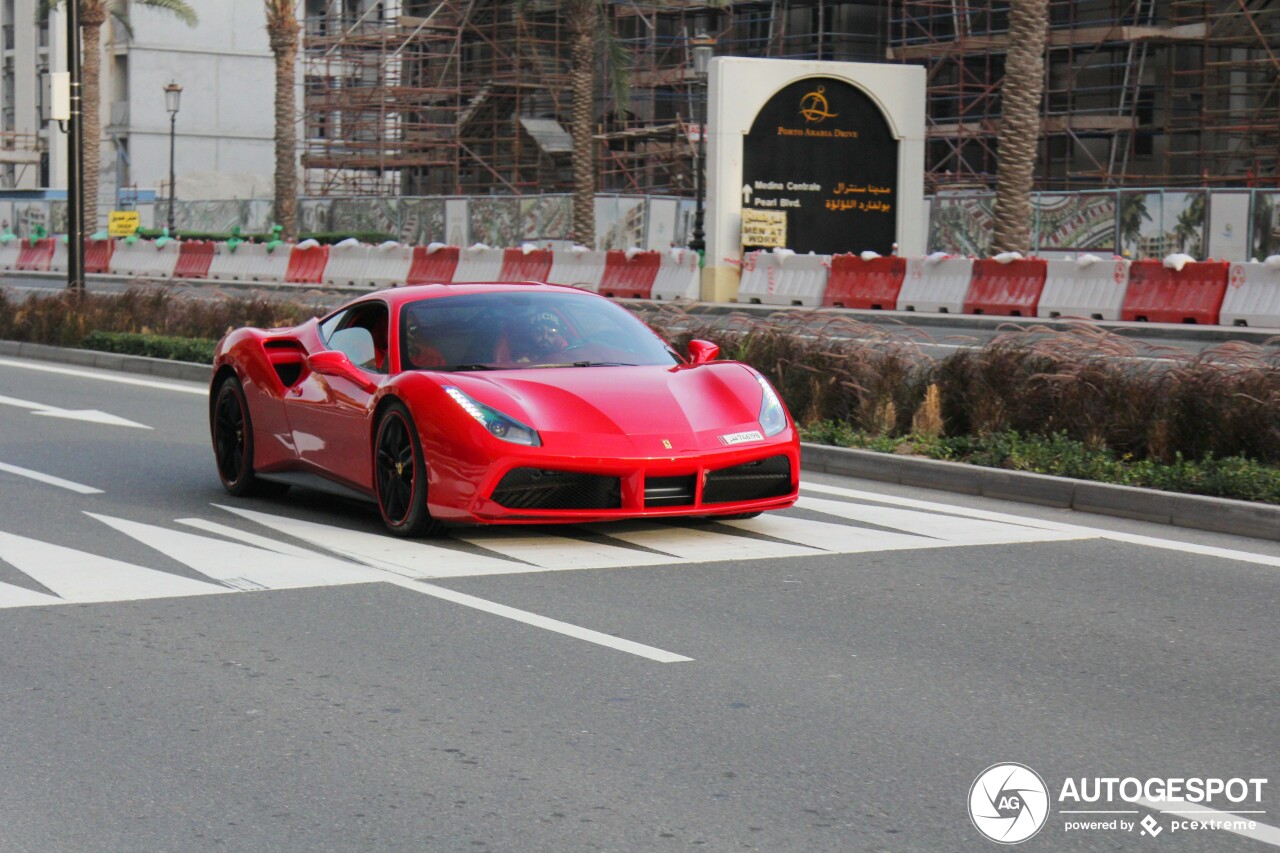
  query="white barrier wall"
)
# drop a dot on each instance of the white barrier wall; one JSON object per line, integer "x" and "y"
{"x": 143, "y": 259}
{"x": 9, "y": 251}
{"x": 61, "y": 256}
{"x": 679, "y": 276}
{"x": 801, "y": 280}
{"x": 347, "y": 265}
{"x": 1253, "y": 296}
{"x": 388, "y": 265}
{"x": 1084, "y": 288}
{"x": 479, "y": 265}
{"x": 936, "y": 285}
{"x": 758, "y": 277}
{"x": 578, "y": 268}
{"x": 250, "y": 262}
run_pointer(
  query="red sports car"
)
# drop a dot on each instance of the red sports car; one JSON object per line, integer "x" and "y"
{"x": 498, "y": 403}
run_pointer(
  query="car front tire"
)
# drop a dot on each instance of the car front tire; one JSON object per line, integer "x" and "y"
{"x": 400, "y": 475}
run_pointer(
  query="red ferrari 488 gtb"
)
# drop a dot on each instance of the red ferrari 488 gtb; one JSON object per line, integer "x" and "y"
{"x": 498, "y": 403}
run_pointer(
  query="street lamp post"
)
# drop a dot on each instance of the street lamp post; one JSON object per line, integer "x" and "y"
{"x": 703, "y": 48}
{"x": 172, "y": 99}
{"x": 75, "y": 158}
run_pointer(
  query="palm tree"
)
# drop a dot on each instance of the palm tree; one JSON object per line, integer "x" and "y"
{"x": 584, "y": 21}
{"x": 1019, "y": 137}
{"x": 1133, "y": 210}
{"x": 282, "y": 34}
{"x": 93, "y": 14}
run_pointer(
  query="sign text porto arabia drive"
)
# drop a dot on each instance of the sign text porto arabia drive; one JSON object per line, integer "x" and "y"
{"x": 821, "y": 152}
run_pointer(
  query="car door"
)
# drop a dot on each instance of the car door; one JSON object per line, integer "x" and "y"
{"x": 329, "y": 415}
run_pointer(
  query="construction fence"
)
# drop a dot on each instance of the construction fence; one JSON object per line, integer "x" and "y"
{"x": 1234, "y": 225}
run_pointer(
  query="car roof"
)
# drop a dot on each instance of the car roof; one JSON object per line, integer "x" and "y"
{"x": 397, "y": 296}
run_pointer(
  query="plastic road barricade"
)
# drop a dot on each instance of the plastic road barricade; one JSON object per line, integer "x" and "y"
{"x": 1087, "y": 288}
{"x": 1253, "y": 296}
{"x": 577, "y": 267}
{"x": 97, "y": 255}
{"x": 759, "y": 277}
{"x": 937, "y": 285}
{"x": 388, "y": 265}
{"x": 1161, "y": 294}
{"x": 306, "y": 264}
{"x": 679, "y": 276}
{"x": 37, "y": 257}
{"x": 144, "y": 259}
{"x": 194, "y": 259}
{"x": 250, "y": 262}
{"x": 1009, "y": 289}
{"x": 630, "y": 278}
{"x": 481, "y": 264}
{"x": 9, "y": 252}
{"x": 347, "y": 264}
{"x": 871, "y": 284}
{"x": 432, "y": 267}
{"x": 519, "y": 265}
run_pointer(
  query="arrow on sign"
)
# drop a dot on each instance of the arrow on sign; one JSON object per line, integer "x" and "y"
{"x": 92, "y": 416}
{"x": 746, "y": 193}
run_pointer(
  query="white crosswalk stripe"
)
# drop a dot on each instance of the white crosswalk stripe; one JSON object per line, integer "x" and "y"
{"x": 279, "y": 552}
{"x": 76, "y": 576}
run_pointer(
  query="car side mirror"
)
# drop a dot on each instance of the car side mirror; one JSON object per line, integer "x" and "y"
{"x": 334, "y": 363}
{"x": 700, "y": 352}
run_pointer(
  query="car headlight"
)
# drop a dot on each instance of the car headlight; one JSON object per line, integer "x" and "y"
{"x": 773, "y": 417}
{"x": 498, "y": 425}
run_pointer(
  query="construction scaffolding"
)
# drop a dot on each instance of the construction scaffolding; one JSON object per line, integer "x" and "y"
{"x": 1137, "y": 92}
{"x": 439, "y": 97}
{"x": 434, "y": 98}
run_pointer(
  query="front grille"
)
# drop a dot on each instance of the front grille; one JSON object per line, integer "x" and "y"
{"x": 669, "y": 491}
{"x": 766, "y": 478}
{"x": 536, "y": 488}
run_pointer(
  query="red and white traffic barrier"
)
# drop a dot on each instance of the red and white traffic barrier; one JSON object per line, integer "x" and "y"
{"x": 1090, "y": 288}
{"x": 1175, "y": 291}
{"x": 781, "y": 277}
{"x": 1253, "y": 295}
{"x": 938, "y": 284}
{"x": 250, "y": 262}
{"x": 144, "y": 259}
{"x": 479, "y": 263}
{"x": 679, "y": 276}
{"x": 9, "y": 252}
{"x": 578, "y": 267}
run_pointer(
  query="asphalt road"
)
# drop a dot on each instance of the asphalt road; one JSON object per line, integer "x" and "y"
{"x": 187, "y": 671}
{"x": 938, "y": 335}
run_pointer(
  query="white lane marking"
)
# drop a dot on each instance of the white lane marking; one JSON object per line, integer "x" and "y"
{"x": 836, "y": 538}
{"x": 247, "y": 538}
{"x": 399, "y": 556}
{"x": 79, "y": 576}
{"x": 699, "y": 546}
{"x": 16, "y": 596}
{"x": 1260, "y": 832}
{"x": 949, "y": 528}
{"x": 242, "y": 566}
{"x": 50, "y": 480}
{"x": 202, "y": 391}
{"x": 1087, "y": 532}
{"x": 547, "y": 551}
{"x": 92, "y": 416}
{"x": 590, "y": 636}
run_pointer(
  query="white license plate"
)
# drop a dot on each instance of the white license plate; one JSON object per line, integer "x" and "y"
{"x": 742, "y": 437}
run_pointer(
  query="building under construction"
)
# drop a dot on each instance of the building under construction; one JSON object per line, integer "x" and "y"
{"x": 437, "y": 97}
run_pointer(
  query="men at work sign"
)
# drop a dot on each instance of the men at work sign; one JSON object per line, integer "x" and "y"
{"x": 821, "y": 151}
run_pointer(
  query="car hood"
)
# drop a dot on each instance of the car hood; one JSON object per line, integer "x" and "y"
{"x": 610, "y": 410}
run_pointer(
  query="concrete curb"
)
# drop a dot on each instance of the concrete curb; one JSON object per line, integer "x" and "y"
{"x": 158, "y": 367}
{"x": 1243, "y": 518}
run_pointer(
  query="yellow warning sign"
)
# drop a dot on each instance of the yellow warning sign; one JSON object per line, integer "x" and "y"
{"x": 765, "y": 229}
{"x": 122, "y": 223}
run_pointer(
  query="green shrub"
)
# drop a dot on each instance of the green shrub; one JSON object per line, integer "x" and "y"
{"x": 197, "y": 350}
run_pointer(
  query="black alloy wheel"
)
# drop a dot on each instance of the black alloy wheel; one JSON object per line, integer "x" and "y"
{"x": 233, "y": 440}
{"x": 400, "y": 476}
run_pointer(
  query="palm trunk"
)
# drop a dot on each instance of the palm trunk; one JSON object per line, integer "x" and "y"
{"x": 583, "y": 16}
{"x": 93, "y": 16}
{"x": 283, "y": 37}
{"x": 1019, "y": 137}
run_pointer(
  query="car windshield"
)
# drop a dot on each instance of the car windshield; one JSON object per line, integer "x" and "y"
{"x": 505, "y": 330}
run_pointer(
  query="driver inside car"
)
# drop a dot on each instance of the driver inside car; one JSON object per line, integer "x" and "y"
{"x": 537, "y": 339}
